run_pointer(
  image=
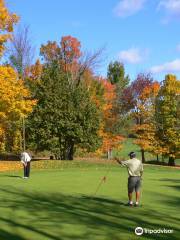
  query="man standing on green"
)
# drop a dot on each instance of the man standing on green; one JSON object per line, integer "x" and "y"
{"x": 135, "y": 171}
{"x": 26, "y": 159}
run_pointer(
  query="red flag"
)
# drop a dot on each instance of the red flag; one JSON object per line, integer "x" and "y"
{"x": 104, "y": 179}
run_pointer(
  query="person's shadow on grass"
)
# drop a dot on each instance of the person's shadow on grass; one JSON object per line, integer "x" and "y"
{"x": 11, "y": 176}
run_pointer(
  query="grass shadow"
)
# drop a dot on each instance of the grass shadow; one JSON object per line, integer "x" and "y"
{"x": 13, "y": 176}
{"x": 59, "y": 216}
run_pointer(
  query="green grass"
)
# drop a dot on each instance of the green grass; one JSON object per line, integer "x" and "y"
{"x": 128, "y": 146}
{"x": 56, "y": 203}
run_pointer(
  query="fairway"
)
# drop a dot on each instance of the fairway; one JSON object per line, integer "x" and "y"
{"x": 56, "y": 203}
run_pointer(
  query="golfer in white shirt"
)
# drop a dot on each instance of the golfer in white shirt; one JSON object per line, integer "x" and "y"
{"x": 26, "y": 159}
{"x": 135, "y": 171}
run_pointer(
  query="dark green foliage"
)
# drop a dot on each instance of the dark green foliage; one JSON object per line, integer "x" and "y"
{"x": 64, "y": 118}
{"x": 116, "y": 74}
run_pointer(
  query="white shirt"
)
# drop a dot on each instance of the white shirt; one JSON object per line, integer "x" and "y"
{"x": 134, "y": 166}
{"x": 25, "y": 157}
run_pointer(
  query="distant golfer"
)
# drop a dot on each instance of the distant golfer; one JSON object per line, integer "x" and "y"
{"x": 135, "y": 171}
{"x": 26, "y": 159}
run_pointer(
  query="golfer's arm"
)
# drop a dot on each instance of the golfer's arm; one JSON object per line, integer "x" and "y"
{"x": 24, "y": 162}
{"x": 118, "y": 161}
{"x": 122, "y": 163}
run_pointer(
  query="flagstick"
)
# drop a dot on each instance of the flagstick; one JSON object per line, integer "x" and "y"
{"x": 102, "y": 180}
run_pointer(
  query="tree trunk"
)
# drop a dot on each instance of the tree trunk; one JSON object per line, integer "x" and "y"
{"x": 143, "y": 155}
{"x": 157, "y": 158}
{"x": 66, "y": 150}
{"x": 109, "y": 154}
{"x": 162, "y": 158}
{"x": 171, "y": 161}
{"x": 70, "y": 153}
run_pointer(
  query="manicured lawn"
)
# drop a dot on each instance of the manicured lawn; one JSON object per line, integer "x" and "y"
{"x": 56, "y": 203}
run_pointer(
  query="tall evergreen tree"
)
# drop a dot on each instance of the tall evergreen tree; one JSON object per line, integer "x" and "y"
{"x": 65, "y": 116}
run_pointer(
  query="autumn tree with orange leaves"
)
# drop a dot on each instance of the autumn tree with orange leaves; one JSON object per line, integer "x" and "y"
{"x": 110, "y": 139}
{"x": 68, "y": 54}
{"x": 145, "y": 129}
{"x": 136, "y": 102}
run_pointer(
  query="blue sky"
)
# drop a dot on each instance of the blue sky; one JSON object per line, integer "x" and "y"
{"x": 143, "y": 34}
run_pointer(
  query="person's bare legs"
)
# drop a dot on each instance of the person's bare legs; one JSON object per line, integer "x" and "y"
{"x": 130, "y": 197}
{"x": 137, "y": 197}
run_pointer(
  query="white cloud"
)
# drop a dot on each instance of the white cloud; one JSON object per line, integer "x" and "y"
{"x": 127, "y": 8}
{"x": 171, "y": 7}
{"x": 173, "y": 66}
{"x": 132, "y": 55}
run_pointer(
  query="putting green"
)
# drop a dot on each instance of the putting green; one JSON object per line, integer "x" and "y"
{"x": 56, "y": 203}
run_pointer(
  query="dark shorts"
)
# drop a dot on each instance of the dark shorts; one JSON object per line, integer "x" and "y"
{"x": 134, "y": 183}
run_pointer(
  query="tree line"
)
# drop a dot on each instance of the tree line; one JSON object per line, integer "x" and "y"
{"x": 66, "y": 107}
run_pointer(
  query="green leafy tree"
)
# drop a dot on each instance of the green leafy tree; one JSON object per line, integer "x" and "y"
{"x": 65, "y": 116}
{"x": 116, "y": 74}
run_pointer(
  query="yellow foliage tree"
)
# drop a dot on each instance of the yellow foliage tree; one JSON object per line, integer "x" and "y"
{"x": 15, "y": 103}
{"x": 167, "y": 115}
{"x": 7, "y": 21}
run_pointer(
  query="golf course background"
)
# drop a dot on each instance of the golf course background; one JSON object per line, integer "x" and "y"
{"x": 58, "y": 202}
{"x": 69, "y": 98}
